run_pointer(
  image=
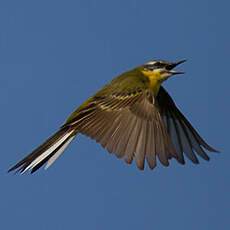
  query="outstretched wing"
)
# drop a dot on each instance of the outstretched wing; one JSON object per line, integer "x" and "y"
{"x": 127, "y": 123}
{"x": 184, "y": 137}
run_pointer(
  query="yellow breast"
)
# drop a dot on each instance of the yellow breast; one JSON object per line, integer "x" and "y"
{"x": 154, "y": 80}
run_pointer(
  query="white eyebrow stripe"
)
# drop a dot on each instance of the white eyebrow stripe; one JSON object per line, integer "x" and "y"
{"x": 151, "y": 63}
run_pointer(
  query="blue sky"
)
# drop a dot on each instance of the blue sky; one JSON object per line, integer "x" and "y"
{"x": 55, "y": 54}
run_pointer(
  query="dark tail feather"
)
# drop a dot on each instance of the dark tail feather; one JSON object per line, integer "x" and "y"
{"x": 56, "y": 144}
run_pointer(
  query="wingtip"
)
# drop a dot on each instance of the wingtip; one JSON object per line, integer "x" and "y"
{"x": 209, "y": 148}
{"x": 216, "y": 151}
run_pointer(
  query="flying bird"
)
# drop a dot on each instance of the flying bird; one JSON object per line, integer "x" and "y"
{"x": 132, "y": 117}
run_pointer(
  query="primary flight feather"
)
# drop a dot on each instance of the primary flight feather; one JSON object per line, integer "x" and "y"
{"x": 133, "y": 117}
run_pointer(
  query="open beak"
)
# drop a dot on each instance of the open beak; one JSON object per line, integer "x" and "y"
{"x": 171, "y": 66}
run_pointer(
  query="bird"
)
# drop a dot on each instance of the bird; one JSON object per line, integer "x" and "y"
{"x": 133, "y": 117}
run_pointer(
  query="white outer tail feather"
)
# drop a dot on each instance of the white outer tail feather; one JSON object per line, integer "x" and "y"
{"x": 58, "y": 153}
{"x": 49, "y": 151}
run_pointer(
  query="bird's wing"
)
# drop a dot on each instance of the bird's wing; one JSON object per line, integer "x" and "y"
{"x": 184, "y": 137}
{"x": 126, "y": 122}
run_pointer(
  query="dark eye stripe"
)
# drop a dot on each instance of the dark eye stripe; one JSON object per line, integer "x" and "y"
{"x": 160, "y": 65}
{"x": 155, "y": 65}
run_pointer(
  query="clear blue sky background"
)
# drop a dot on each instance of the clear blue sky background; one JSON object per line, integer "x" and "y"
{"x": 53, "y": 55}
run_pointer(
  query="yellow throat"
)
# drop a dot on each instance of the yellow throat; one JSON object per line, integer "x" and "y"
{"x": 155, "y": 80}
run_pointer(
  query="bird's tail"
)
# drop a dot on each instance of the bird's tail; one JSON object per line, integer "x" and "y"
{"x": 47, "y": 152}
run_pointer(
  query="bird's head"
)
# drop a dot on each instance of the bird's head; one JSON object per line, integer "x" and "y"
{"x": 161, "y": 70}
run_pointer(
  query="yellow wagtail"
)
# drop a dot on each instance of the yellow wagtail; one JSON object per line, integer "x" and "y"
{"x": 133, "y": 117}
